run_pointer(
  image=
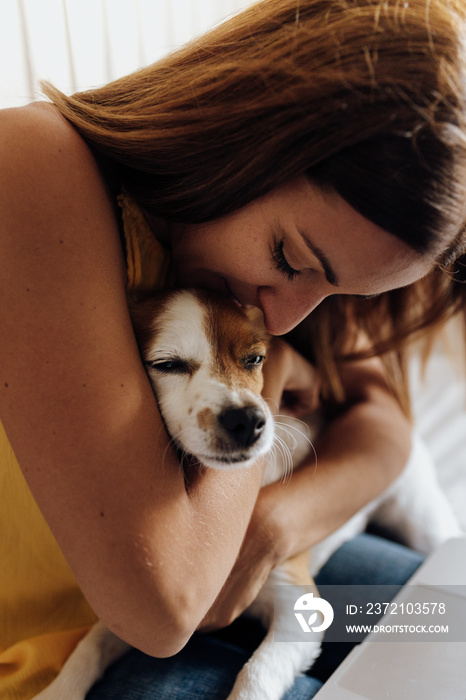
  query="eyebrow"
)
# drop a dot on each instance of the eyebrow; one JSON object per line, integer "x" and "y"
{"x": 330, "y": 274}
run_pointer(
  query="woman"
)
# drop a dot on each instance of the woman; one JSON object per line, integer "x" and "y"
{"x": 301, "y": 150}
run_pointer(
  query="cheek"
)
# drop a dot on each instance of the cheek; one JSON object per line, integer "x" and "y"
{"x": 233, "y": 250}
{"x": 223, "y": 247}
{"x": 171, "y": 397}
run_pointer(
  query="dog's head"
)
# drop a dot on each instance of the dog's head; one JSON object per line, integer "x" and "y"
{"x": 204, "y": 359}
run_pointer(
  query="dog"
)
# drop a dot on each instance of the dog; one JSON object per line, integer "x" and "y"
{"x": 204, "y": 355}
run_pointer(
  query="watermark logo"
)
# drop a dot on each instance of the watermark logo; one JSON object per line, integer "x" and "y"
{"x": 310, "y": 604}
{"x": 348, "y": 613}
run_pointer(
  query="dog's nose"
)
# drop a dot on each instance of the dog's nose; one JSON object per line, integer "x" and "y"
{"x": 245, "y": 425}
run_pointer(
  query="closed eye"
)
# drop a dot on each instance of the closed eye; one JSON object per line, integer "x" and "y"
{"x": 172, "y": 366}
{"x": 281, "y": 263}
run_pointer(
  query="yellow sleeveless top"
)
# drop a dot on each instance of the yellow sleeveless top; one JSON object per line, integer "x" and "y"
{"x": 43, "y": 614}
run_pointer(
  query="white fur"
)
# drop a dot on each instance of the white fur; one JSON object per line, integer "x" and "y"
{"x": 181, "y": 399}
{"x": 414, "y": 507}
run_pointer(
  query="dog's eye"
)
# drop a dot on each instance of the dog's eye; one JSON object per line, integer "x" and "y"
{"x": 170, "y": 366}
{"x": 253, "y": 361}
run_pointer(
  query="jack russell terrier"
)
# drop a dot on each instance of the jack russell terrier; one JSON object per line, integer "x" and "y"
{"x": 204, "y": 356}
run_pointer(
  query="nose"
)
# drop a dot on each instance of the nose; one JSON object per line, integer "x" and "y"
{"x": 245, "y": 425}
{"x": 282, "y": 312}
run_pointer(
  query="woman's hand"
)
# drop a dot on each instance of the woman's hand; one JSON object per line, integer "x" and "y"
{"x": 291, "y": 383}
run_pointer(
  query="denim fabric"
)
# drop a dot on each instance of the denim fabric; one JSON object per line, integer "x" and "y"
{"x": 366, "y": 560}
{"x": 206, "y": 668}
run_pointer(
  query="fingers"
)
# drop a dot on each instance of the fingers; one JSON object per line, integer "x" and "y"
{"x": 290, "y": 381}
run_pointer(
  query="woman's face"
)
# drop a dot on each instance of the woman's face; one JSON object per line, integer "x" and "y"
{"x": 287, "y": 251}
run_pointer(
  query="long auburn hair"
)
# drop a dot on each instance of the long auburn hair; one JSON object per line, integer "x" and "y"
{"x": 365, "y": 96}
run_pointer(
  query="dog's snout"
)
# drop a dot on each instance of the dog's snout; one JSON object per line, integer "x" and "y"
{"x": 245, "y": 425}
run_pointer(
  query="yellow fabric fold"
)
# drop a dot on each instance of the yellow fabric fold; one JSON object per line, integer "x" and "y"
{"x": 148, "y": 263}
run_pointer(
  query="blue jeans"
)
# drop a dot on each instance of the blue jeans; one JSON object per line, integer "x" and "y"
{"x": 207, "y": 666}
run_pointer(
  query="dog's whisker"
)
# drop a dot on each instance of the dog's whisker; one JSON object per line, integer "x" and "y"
{"x": 272, "y": 403}
{"x": 286, "y": 452}
{"x": 280, "y": 446}
{"x": 314, "y": 452}
{"x": 291, "y": 441}
{"x": 174, "y": 444}
{"x": 291, "y": 427}
{"x": 169, "y": 446}
{"x": 287, "y": 418}
{"x": 185, "y": 459}
{"x": 291, "y": 431}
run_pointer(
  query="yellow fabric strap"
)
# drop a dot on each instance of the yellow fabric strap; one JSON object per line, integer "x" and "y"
{"x": 148, "y": 262}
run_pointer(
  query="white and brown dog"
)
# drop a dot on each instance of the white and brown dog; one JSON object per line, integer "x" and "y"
{"x": 204, "y": 359}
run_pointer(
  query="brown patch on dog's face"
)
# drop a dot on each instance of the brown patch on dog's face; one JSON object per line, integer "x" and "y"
{"x": 235, "y": 342}
{"x": 206, "y": 419}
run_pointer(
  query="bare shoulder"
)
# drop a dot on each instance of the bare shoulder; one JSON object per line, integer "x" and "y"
{"x": 45, "y": 162}
{"x": 38, "y": 133}
{"x": 62, "y": 276}
{"x": 53, "y": 198}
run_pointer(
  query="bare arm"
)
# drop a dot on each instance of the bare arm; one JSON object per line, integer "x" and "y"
{"x": 78, "y": 409}
{"x": 359, "y": 455}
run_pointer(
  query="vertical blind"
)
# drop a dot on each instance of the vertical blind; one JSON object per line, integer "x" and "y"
{"x": 78, "y": 44}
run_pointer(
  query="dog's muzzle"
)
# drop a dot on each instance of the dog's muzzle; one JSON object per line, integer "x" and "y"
{"x": 244, "y": 426}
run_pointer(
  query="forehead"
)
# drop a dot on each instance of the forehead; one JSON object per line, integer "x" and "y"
{"x": 177, "y": 328}
{"x": 200, "y": 326}
{"x": 230, "y": 332}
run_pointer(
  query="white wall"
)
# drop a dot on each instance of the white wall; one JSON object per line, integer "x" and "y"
{"x": 77, "y": 44}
